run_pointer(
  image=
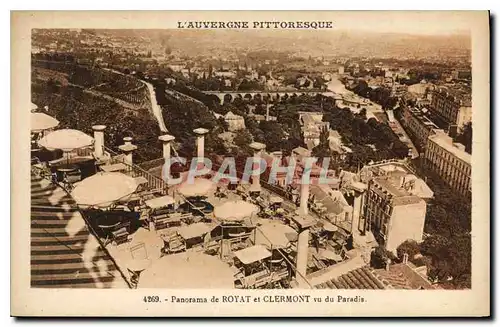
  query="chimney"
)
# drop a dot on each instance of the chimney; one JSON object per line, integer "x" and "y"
{"x": 128, "y": 148}
{"x": 166, "y": 140}
{"x": 99, "y": 140}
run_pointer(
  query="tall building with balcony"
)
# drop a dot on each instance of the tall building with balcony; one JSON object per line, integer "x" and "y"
{"x": 394, "y": 204}
{"x": 452, "y": 106}
{"x": 450, "y": 161}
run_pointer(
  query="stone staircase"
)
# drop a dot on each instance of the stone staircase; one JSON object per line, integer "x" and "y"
{"x": 63, "y": 251}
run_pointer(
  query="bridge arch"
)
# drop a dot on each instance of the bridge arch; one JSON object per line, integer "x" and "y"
{"x": 227, "y": 98}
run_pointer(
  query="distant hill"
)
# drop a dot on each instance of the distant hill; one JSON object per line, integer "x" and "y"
{"x": 315, "y": 43}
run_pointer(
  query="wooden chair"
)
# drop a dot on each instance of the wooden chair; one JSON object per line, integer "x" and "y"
{"x": 139, "y": 251}
{"x": 165, "y": 221}
{"x": 120, "y": 235}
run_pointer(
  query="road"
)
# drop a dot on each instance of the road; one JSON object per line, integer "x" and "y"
{"x": 154, "y": 105}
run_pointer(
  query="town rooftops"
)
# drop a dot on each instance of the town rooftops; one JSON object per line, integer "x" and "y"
{"x": 420, "y": 115}
{"x": 459, "y": 93}
{"x": 402, "y": 276}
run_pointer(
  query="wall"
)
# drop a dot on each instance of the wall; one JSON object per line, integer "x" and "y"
{"x": 407, "y": 223}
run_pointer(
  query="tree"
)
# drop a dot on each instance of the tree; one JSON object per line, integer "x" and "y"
{"x": 451, "y": 259}
{"x": 274, "y": 135}
{"x": 379, "y": 258}
{"x": 409, "y": 247}
{"x": 242, "y": 138}
{"x": 322, "y": 150}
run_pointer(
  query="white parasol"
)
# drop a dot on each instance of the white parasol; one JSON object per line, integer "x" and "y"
{"x": 66, "y": 140}
{"x": 163, "y": 201}
{"x": 188, "y": 270}
{"x": 235, "y": 210}
{"x": 199, "y": 187}
{"x": 41, "y": 122}
{"x": 102, "y": 189}
{"x": 275, "y": 234}
{"x": 329, "y": 227}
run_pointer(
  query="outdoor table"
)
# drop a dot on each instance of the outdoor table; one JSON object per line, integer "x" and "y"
{"x": 64, "y": 170}
{"x": 114, "y": 167}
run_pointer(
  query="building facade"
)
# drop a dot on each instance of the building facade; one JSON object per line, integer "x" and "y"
{"x": 418, "y": 126}
{"x": 453, "y": 107}
{"x": 450, "y": 161}
{"x": 394, "y": 204}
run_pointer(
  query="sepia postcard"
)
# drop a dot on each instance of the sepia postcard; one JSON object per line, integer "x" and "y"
{"x": 250, "y": 163}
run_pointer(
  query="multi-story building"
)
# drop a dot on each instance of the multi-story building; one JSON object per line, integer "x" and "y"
{"x": 452, "y": 106}
{"x": 450, "y": 161}
{"x": 418, "y": 126}
{"x": 394, "y": 207}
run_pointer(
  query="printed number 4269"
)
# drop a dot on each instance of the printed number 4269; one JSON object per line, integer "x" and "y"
{"x": 151, "y": 299}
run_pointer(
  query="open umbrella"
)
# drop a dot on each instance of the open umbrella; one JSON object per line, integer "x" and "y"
{"x": 103, "y": 189}
{"x": 235, "y": 210}
{"x": 66, "y": 140}
{"x": 329, "y": 227}
{"x": 188, "y": 270}
{"x": 41, "y": 122}
{"x": 199, "y": 187}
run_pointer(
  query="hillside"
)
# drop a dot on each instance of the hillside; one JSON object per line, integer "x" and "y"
{"x": 82, "y": 96}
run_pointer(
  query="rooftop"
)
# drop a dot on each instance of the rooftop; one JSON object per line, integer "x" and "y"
{"x": 400, "y": 183}
{"x": 459, "y": 92}
{"x": 420, "y": 115}
{"x": 446, "y": 142}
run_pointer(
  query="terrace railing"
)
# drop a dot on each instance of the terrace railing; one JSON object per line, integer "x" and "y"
{"x": 153, "y": 182}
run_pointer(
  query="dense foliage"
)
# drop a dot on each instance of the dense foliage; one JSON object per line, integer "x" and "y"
{"x": 77, "y": 108}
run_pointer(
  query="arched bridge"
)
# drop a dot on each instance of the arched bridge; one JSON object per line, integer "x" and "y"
{"x": 230, "y": 96}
